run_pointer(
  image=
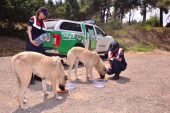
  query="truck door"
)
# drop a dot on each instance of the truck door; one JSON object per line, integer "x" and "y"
{"x": 101, "y": 40}
{"x": 90, "y": 33}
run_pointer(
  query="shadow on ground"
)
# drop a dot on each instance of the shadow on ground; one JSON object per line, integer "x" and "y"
{"x": 121, "y": 80}
{"x": 48, "y": 103}
{"x": 78, "y": 81}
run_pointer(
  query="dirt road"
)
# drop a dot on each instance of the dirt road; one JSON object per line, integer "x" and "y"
{"x": 143, "y": 88}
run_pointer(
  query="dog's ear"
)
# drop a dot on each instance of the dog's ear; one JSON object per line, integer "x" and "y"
{"x": 63, "y": 60}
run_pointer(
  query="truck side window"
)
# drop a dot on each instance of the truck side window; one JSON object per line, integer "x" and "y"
{"x": 99, "y": 32}
{"x": 90, "y": 30}
{"x": 70, "y": 26}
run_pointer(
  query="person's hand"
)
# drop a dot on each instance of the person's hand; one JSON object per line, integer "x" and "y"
{"x": 34, "y": 43}
{"x": 110, "y": 59}
{"x": 48, "y": 38}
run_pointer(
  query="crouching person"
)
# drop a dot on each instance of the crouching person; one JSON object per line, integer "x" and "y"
{"x": 116, "y": 59}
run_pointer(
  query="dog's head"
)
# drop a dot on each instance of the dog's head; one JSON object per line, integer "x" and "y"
{"x": 102, "y": 74}
{"x": 62, "y": 82}
{"x": 101, "y": 69}
{"x": 62, "y": 77}
{"x": 62, "y": 85}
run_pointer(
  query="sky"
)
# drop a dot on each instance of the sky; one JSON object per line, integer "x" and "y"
{"x": 154, "y": 12}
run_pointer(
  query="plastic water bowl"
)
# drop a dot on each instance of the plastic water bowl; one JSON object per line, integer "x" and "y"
{"x": 99, "y": 83}
{"x": 70, "y": 86}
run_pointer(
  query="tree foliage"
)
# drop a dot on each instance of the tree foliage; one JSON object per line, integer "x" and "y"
{"x": 144, "y": 4}
{"x": 19, "y": 11}
{"x": 163, "y": 5}
{"x": 14, "y": 11}
{"x": 123, "y": 6}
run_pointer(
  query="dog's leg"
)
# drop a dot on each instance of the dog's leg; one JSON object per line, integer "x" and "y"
{"x": 69, "y": 71}
{"x": 53, "y": 83}
{"x": 71, "y": 59}
{"x": 76, "y": 66}
{"x": 44, "y": 85}
{"x": 24, "y": 78}
{"x": 25, "y": 100}
{"x": 21, "y": 98}
{"x": 89, "y": 72}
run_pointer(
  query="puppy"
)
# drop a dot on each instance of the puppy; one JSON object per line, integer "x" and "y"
{"x": 26, "y": 63}
{"x": 88, "y": 58}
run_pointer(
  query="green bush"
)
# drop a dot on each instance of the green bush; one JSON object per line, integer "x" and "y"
{"x": 13, "y": 33}
{"x": 111, "y": 26}
{"x": 115, "y": 24}
{"x": 153, "y": 21}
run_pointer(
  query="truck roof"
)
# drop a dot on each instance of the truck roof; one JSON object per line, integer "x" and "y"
{"x": 51, "y": 23}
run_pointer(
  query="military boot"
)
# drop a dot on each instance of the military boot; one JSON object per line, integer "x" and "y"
{"x": 116, "y": 77}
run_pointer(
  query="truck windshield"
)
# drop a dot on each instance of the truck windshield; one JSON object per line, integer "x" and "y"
{"x": 51, "y": 24}
{"x": 99, "y": 31}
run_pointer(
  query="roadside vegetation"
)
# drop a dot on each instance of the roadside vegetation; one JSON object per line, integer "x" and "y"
{"x": 140, "y": 36}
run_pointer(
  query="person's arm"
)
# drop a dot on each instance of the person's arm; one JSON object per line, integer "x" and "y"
{"x": 121, "y": 56}
{"x": 30, "y": 35}
{"x": 111, "y": 57}
{"x": 119, "y": 59}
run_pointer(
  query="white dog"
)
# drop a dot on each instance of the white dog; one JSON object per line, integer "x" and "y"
{"x": 88, "y": 58}
{"x": 26, "y": 63}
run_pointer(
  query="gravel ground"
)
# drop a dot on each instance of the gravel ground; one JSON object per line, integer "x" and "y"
{"x": 143, "y": 88}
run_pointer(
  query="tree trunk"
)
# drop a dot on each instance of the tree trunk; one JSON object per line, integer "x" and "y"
{"x": 107, "y": 14}
{"x": 130, "y": 13}
{"x": 161, "y": 17}
{"x": 103, "y": 10}
{"x": 144, "y": 12}
{"x": 122, "y": 14}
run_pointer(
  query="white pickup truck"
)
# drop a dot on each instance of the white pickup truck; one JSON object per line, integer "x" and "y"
{"x": 65, "y": 34}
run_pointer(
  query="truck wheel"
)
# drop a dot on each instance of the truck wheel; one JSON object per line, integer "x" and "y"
{"x": 79, "y": 45}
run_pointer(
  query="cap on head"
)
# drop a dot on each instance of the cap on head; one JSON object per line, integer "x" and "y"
{"x": 44, "y": 11}
{"x": 114, "y": 45}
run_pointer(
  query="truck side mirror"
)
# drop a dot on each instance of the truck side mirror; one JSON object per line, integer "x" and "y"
{"x": 105, "y": 34}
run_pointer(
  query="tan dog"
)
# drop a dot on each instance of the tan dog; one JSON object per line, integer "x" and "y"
{"x": 26, "y": 63}
{"x": 88, "y": 58}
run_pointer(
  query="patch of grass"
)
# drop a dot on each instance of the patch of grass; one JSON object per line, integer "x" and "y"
{"x": 159, "y": 29}
{"x": 121, "y": 32}
{"x": 147, "y": 27}
{"x": 141, "y": 47}
{"x": 121, "y": 43}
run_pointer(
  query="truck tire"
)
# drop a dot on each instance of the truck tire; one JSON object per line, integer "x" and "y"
{"x": 106, "y": 55}
{"x": 79, "y": 45}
